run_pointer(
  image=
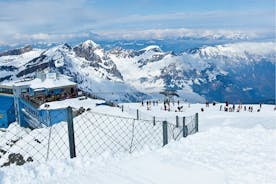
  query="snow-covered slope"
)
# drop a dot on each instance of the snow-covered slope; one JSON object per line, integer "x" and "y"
{"x": 217, "y": 73}
{"x": 239, "y": 51}
{"x": 10, "y": 65}
{"x": 230, "y": 148}
{"x": 86, "y": 63}
{"x": 234, "y": 72}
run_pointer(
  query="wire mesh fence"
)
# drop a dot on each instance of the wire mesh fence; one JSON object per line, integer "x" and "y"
{"x": 96, "y": 133}
{"x": 89, "y": 134}
{"x": 20, "y": 145}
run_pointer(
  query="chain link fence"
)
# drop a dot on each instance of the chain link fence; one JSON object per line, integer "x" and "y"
{"x": 89, "y": 134}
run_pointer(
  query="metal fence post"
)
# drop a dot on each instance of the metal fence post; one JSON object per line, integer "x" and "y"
{"x": 48, "y": 118}
{"x": 48, "y": 146}
{"x": 196, "y": 122}
{"x": 71, "y": 136}
{"x": 165, "y": 132}
{"x": 184, "y": 127}
{"x": 154, "y": 121}
{"x": 137, "y": 114}
{"x": 177, "y": 121}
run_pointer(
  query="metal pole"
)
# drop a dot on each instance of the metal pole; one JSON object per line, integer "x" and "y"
{"x": 49, "y": 141}
{"x": 177, "y": 121}
{"x": 165, "y": 132}
{"x": 71, "y": 136}
{"x": 196, "y": 122}
{"x": 122, "y": 108}
{"x": 137, "y": 114}
{"x": 153, "y": 120}
{"x": 184, "y": 127}
{"x": 48, "y": 118}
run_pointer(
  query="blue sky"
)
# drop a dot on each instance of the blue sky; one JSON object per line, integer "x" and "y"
{"x": 58, "y": 20}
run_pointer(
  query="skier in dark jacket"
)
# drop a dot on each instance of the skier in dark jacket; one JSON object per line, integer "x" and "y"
{"x": 226, "y": 103}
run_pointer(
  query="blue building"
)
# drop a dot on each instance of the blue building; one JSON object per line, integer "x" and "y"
{"x": 7, "y": 113}
{"x": 22, "y": 100}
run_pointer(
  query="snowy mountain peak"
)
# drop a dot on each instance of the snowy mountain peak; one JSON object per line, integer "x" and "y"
{"x": 89, "y": 44}
{"x": 154, "y": 48}
{"x": 217, "y": 72}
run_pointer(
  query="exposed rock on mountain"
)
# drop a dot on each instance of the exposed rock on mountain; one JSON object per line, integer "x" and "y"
{"x": 17, "y": 51}
{"x": 234, "y": 72}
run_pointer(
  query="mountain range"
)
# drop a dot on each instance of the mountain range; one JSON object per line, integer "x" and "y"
{"x": 236, "y": 72}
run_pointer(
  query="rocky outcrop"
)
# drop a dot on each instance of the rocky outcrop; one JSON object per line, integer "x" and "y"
{"x": 17, "y": 51}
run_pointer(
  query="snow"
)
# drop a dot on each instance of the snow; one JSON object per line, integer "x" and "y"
{"x": 90, "y": 79}
{"x": 147, "y": 78}
{"x": 19, "y": 60}
{"x": 239, "y": 50}
{"x": 38, "y": 83}
{"x": 151, "y": 47}
{"x": 90, "y": 43}
{"x": 72, "y": 102}
{"x": 23, "y": 82}
{"x": 145, "y": 71}
{"x": 247, "y": 89}
{"x": 51, "y": 83}
{"x": 130, "y": 170}
{"x": 86, "y": 103}
{"x": 230, "y": 148}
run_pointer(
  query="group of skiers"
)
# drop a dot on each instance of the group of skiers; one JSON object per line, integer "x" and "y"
{"x": 229, "y": 108}
{"x": 167, "y": 104}
{"x": 232, "y": 108}
{"x": 149, "y": 103}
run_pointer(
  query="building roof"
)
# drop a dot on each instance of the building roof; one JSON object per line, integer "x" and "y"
{"x": 37, "y": 83}
{"x": 51, "y": 83}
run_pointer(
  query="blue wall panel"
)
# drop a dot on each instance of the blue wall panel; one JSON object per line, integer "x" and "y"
{"x": 3, "y": 119}
{"x": 7, "y": 115}
{"x": 46, "y": 117}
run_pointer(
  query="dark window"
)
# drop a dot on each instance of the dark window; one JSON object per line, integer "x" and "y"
{"x": 5, "y": 90}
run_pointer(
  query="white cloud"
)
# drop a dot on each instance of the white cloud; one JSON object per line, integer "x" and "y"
{"x": 58, "y": 20}
{"x": 2, "y": 43}
{"x": 33, "y": 19}
{"x": 37, "y": 36}
{"x": 175, "y": 33}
